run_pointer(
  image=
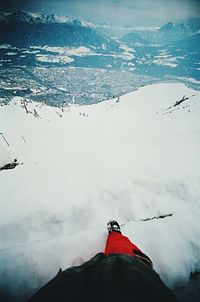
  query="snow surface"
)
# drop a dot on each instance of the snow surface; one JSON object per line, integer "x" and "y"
{"x": 130, "y": 160}
{"x": 11, "y": 53}
{"x": 128, "y": 52}
{"x": 4, "y": 155}
{"x": 79, "y": 51}
{"x": 5, "y": 46}
{"x": 64, "y": 54}
{"x": 54, "y": 59}
{"x": 165, "y": 62}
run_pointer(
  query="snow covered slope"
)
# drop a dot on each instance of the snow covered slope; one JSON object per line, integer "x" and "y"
{"x": 133, "y": 159}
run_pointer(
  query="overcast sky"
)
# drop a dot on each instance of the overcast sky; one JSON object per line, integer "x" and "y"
{"x": 121, "y": 12}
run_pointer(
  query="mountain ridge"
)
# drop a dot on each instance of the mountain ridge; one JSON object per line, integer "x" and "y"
{"x": 52, "y": 30}
{"x": 38, "y": 18}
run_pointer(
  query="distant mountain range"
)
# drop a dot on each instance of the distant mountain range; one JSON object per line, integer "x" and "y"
{"x": 165, "y": 35}
{"x": 191, "y": 26}
{"x": 24, "y": 29}
{"x": 35, "y": 39}
{"x": 38, "y": 18}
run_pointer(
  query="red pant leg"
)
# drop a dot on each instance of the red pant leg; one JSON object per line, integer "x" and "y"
{"x": 120, "y": 244}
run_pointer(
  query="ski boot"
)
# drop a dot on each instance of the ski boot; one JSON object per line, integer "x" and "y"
{"x": 113, "y": 226}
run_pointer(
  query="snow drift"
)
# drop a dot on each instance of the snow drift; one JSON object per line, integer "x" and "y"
{"x": 135, "y": 159}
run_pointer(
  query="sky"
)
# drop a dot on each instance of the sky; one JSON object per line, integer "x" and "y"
{"x": 116, "y": 12}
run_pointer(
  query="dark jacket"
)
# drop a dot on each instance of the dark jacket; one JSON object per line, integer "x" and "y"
{"x": 117, "y": 278}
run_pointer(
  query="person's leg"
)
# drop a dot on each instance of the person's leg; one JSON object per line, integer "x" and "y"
{"x": 120, "y": 244}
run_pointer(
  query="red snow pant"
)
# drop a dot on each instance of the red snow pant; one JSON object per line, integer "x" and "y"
{"x": 120, "y": 244}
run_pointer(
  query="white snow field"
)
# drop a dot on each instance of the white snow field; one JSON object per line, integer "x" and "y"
{"x": 129, "y": 160}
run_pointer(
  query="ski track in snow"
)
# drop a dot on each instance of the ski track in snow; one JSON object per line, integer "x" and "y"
{"x": 125, "y": 160}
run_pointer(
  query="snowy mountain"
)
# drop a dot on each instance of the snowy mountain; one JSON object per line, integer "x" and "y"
{"x": 134, "y": 159}
{"x": 174, "y": 32}
{"x": 36, "y": 18}
{"x": 178, "y": 28}
{"x": 24, "y": 29}
{"x": 165, "y": 35}
{"x": 171, "y": 50}
{"x": 136, "y": 50}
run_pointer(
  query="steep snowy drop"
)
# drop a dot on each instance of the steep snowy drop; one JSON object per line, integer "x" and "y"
{"x": 134, "y": 159}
